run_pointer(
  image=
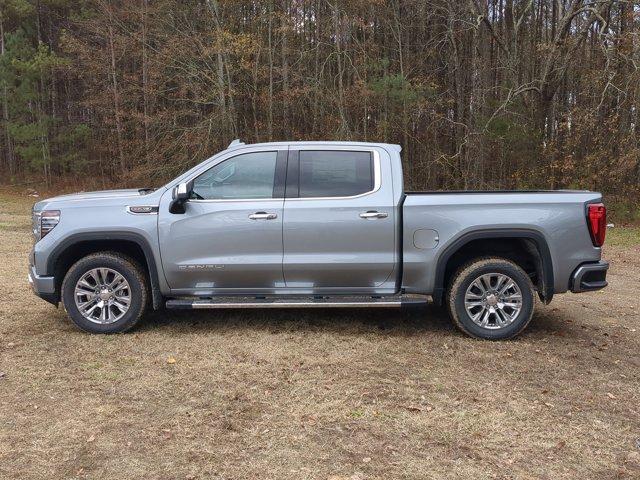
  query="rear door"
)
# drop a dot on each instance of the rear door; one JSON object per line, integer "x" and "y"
{"x": 339, "y": 224}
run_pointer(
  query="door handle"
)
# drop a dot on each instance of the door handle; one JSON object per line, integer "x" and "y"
{"x": 263, "y": 216}
{"x": 372, "y": 214}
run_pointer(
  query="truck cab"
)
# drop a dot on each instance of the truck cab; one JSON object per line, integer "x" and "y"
{"x": 285, "y": 219}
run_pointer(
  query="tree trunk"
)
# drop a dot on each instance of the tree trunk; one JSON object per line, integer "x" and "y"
{"x": 285, "y": 71}
{"x": 40, "y": 110}
{"x": 145, "y": 82}
{"x": 405, "y": 115}
{"x": 8, "y": 146}
{"x": 116, "y": 95}
{"x": 316, "y": 67}
{"x": 344, "y": 127}
{"x": 270, "y": 54}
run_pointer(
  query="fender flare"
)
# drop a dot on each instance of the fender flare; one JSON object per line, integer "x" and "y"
{"x": 546, "y": 294}
{"x": 114, "y": 235}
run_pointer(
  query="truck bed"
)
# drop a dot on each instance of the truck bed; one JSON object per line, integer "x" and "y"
{"x": 434, "y": 192}
{"x": 556, "y": 217}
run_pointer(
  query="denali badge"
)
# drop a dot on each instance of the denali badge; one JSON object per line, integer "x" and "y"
{"x": 200, "y": 266}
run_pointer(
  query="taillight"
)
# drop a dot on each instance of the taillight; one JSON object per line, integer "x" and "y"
{"x": 597, "y": 220}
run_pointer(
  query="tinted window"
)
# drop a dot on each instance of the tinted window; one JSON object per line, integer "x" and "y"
{"x": 250, "y": 175}
{"x": 335, "y": 173}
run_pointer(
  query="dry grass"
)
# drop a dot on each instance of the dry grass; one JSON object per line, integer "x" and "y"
{"x": 316, "y": 395}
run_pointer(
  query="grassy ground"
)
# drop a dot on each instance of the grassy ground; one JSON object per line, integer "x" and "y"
{"x": 319, "y": 394}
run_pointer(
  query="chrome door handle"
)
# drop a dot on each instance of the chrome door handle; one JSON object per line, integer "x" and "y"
{"x": 263, "y": 216}
{"x": 372, "y": 214}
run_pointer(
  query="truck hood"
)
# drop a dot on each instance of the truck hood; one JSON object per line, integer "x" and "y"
{"x": 91, "y": 197}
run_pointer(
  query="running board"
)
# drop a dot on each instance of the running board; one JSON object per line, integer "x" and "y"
{"x": 307, "y": 302}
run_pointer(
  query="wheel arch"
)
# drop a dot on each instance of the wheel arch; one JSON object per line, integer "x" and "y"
{"x": 79, "y": 245}
{"x": 533, "y": 238}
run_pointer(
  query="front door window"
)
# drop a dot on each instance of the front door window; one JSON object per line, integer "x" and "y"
{"x": 246, "y": 176}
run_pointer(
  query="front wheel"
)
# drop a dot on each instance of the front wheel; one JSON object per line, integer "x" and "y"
{"x": 105, "y": 293}
{"x": 491, "y": 298}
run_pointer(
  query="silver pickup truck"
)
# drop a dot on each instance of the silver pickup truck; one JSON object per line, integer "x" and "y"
{"x": 313, "y": 224}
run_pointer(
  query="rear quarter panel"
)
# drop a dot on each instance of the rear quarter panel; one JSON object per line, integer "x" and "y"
{"x": 558, "y": 216}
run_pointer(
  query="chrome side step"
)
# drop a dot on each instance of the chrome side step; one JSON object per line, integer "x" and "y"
{"x": 294, "y": 302}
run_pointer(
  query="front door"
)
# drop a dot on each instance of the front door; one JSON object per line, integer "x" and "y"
{"x": 230, "y": 237}
{"x": 339, "y": 221}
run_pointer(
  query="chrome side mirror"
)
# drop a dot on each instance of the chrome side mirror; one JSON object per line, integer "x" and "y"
{"x": 182, "y": 191}
{"x": 180, "y": 194}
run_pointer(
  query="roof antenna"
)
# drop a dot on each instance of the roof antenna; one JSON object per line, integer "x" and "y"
{"x": 235, "y": 143}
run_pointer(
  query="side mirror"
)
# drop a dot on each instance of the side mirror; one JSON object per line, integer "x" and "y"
{"x": 181, "y": 193}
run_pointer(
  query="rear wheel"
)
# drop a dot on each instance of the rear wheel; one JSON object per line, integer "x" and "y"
{"x": 105, "y": 293}
{"x": 491, "y": 298}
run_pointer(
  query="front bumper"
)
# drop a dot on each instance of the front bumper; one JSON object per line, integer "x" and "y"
{"x": 589, "y": 277}
{"x": 44, "y": 287}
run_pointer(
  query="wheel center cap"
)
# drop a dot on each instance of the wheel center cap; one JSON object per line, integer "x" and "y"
{"x": 104, "y": 294}
{"x": 492, "y": 300}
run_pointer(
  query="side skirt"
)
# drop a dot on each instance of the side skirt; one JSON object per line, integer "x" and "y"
{"x": 295, "y": 302}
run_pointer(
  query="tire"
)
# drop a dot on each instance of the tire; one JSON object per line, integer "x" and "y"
{"x": 110, "y": 290}
{"x": 504, "y": 315}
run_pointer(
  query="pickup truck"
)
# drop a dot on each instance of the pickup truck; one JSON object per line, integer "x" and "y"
{"x": 314, "y": 224}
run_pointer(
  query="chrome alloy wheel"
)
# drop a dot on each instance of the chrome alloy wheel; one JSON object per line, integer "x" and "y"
{"x": 102, "y": 295}
{"x": 493, "y": 301}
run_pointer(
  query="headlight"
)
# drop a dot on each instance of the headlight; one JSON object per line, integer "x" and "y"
{"x": 44, "y": 222}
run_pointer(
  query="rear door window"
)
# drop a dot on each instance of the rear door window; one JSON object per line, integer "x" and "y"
{"x": 325, "y": 173}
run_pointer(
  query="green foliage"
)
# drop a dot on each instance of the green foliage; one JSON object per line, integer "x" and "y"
{"x": 17, "y": 8}
{"x": 623, "y": 237}
{"x": 623, "y": 211}
{"x": 72, "y": 143}
{"x": 396, "y": 88}
{"x": 24, "y": 72}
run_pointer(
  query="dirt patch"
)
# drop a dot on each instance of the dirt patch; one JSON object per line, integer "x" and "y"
{"x": 319, "y": 394}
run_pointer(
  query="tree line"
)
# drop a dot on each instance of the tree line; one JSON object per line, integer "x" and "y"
{"x": 480, "y": 94}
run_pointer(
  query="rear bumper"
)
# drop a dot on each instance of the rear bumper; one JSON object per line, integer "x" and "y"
{"x": 44, "y": 287}
{"x": 589, "y": 277}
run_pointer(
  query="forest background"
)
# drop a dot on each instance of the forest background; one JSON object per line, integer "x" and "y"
{"x": 480, "y": 94}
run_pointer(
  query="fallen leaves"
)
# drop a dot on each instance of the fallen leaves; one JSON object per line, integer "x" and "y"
{"x": 309, "y": 419}
{"x": 633, "y": 458}
{"x": 418, "y": 408}
{"x": 355, "y": 476}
